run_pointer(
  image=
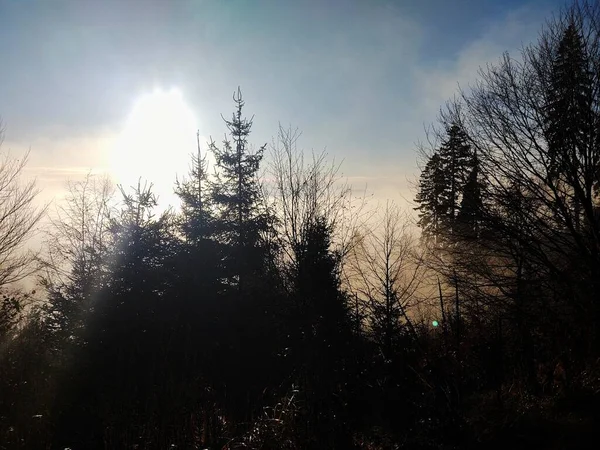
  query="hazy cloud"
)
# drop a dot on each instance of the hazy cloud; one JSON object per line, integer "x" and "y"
{"x": 359, "y": 78}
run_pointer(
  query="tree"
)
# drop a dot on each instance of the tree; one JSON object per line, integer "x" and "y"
{"x": 533, "y": 124}
{"x": 569, "y": 118}
{"x": 469, "y": 216}
{"x": 312, "y": 205}
{"x": 201, "y": 278}
{"x": 430, "y": 198}
{"x": 441, "y": 185}
{"x": 320, "y": 337}
{"x": 456, "y": 158}
{"x": 76, "y": 245}
{"x": 22, "y": 358}
{"x": 387, "y": 272}
{"x": 19, "y": 217}
{"x": 251, "y": 284}
{"x": 134, "y": 325}
{"x": 242, "y": 220}
{"x": 196, "y": 212}
{"x": 28, "y": 366}
{"x": 307, "y": 190}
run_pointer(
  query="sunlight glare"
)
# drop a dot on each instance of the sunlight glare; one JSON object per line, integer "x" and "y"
{"x": 156, "y": 142}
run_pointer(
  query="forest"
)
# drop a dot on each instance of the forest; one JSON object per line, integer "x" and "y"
{"x": 278, "y": 308}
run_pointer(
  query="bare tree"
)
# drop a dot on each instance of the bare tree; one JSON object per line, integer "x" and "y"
{"x": 18, "y": 218}
{"x": 308, "y": 189}
{"x": 506, "y": 114}
{"x": 79, "y": 233}
{"x": 533, "y": 121}
{"x": 385, "y": 269}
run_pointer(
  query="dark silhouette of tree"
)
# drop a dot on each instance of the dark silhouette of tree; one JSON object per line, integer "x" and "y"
{"x": 196, "y": 210}
{"x": 242, "y": 226}
{"x": 455, "y": 156}
{"x": 570, "y": 119}
{"x": 532, "y": 123}
{"x": 261, "y": 315}
{"x": 440, "y": 190}
{"x": 522, "y": 267}
{"x": 242, "y": 220}
{"x": 430, "y": 198}
{"x": 387, "y": 272}
{"x": 131, "y": 325}
{"x": 322, "y": 346}
{"x": 74, "y": 263}
{"x": 469, "y": 216}
{"x": 22, "y": 358}
{"x": 200, "y": 281}
{"x": 320, "y": 336}
{"x": 27, "y": 362}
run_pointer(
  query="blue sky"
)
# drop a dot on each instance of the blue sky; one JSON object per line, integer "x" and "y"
{"x": 360, "y": 78}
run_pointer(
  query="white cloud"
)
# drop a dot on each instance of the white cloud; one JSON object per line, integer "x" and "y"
{"x": 509, "y": 33}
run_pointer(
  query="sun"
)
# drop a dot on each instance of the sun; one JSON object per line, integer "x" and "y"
{"x": 156, "y": 142}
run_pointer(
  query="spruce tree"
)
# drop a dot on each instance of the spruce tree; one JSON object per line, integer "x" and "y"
{"x": 123, "y": 372}
{"x": 200, "y": 276}
{"x": 456, "y": 156}
{"x": 241, "y": 227}
{"x": 196, "y": 210}
{"x": 569, "y": 118}
{"x": 241, "y": 219}
{"x": 441, "y": 185}
{"x": 429, "y": 197}
{"x": 569, "y": 102}
{"x": 471, "y": 206}
{"x": 320, "y": 336}
{"x": 200, "y": 261}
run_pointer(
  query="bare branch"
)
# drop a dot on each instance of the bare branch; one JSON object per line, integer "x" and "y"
{"x": 18, "y": 219}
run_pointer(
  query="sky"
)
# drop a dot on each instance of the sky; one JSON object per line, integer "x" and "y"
{"x": 121, "y": 86}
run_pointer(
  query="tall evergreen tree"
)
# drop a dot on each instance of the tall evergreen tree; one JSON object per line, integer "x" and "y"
{"x": 320, "y": 338}
{"x": 471, "y": 205}
{"x": 131, "y": 327}
{"x": 241, "y": 226}
{"x": 441, "y": 184}
{"x": 429, "y": 197}
{"x": 200, "y": 281}
{"x": 200, "y": 260}
{"x": 456, "y": 156}
{"x": 241, "y": 218}
{"x": 570, "y": 120}
{"x": 196, "y": 210}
